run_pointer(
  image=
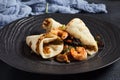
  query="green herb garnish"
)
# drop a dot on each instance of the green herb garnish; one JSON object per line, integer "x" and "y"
{"x": 63, "y": 27}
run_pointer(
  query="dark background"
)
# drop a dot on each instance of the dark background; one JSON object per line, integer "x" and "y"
{"x": 111, "y": 72}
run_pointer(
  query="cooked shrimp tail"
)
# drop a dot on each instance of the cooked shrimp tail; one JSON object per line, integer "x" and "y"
{"x": 79, "y": 53}
{"x": 62, "y": 34}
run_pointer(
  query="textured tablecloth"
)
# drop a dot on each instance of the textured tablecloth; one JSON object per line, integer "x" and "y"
{"x": 11, "y": 10}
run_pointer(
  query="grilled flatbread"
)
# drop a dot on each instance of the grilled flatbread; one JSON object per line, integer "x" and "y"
{"x": 78, "y": 29}
{"x": 50, "y": 23}
{"x": 47, "y": 45}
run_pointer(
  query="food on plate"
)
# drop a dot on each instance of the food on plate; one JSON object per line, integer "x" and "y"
{"x": 79, "y": 30}
{"x": 50, "y": 23}
{"x": 63, "y": 43}
{"x": 62, "y": 34}
{"x": 32, "y": 42}
{"x": 79, "y": 53}
{"x": 47, "y": 45}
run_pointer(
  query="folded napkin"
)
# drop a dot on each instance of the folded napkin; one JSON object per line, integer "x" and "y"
{"x": 11, "y": 10}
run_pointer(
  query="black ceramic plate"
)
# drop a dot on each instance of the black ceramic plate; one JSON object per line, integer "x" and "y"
{"x": 15, "y": 52}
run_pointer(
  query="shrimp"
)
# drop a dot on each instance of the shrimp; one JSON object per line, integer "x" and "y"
{"x": 79, "y": 53}
{"x": 62, "y": 58}
{"x": 62, "y": 34}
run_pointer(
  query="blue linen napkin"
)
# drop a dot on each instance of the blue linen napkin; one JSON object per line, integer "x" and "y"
{"x": 11, "y": 10}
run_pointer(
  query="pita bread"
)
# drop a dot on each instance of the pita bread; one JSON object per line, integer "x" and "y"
{"x": 50, "y": 23}
{"x": 78, "y": 29}
{"x": 47, "y": 45}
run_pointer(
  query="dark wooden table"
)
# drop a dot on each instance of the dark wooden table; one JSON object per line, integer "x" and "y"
{"x": 111, "y": 72}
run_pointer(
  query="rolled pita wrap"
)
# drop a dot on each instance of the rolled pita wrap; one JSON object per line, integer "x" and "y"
{"x": 78, "y": 29}
{"x": 47, "y": 45}
{"x": 50, "y": 23}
